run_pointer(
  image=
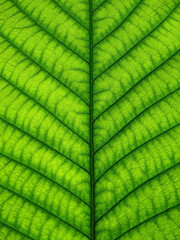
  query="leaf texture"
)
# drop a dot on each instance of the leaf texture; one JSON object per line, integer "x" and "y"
{"x": 89, "y": 119}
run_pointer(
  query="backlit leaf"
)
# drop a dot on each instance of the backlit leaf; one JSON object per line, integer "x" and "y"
{"x": 89, "y": 119}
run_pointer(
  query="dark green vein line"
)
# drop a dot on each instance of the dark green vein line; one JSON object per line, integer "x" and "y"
{"x": 141, "y": 113}
{"x": 99, "y": 6}
{"x": 45, "y": 109}
{"x": 26, "y": 133}
{"x": 42, "y": 68}
{"x": 44, "y": 209}
{"x": 147, "y": 220}
{"x": 50, "y": 179}
{"x": 78, "y": 21}
{"x": 48, "y": 31}
{"x": 137, "y": 43}
{"x": 164, "y": 171}
{"x": 136, "y": 149}
{"x": 91, "y": 122}
{"x": 119, "y": 24}
{"x": 16, "y": 230}
{"x": 71, "y": 16}
{"x": 136, "y": 84}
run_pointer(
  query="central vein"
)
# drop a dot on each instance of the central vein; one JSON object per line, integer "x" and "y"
{"x": 91, "y": 122}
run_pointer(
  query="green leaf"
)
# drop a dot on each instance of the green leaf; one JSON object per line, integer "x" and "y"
{"x": 89, "y": 119}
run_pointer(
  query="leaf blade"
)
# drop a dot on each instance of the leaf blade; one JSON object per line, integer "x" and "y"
{"x": 89, "y": 119}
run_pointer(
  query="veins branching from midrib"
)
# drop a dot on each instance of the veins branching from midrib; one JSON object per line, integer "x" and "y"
{"x": 91, "y": 121}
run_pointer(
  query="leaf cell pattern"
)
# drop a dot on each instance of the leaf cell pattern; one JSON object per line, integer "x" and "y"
{"x": 89, "y": 119}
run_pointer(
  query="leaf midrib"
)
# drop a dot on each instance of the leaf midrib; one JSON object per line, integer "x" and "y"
{"x": 91, "y": 121}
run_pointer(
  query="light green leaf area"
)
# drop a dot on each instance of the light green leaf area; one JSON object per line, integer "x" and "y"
{"x": 89, "y": 119}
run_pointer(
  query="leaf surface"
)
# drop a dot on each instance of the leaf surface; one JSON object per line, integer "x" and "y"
{"x": 89, "y": 119}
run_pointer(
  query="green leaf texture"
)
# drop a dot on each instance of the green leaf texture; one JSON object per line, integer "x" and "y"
{"x": 89, "y": 119}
